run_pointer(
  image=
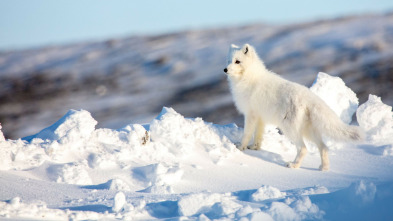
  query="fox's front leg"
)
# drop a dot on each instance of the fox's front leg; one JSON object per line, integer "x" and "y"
{"x": 249, "y": 128}
{"x": 258, "y": 137}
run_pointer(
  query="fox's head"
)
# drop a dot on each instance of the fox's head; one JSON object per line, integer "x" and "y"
{"x": 239, "y": 59}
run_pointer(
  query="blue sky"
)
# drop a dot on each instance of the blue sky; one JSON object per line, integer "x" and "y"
{"x": 34, "y": 23}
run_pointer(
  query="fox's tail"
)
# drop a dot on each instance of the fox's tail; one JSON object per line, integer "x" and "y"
{"x": 328, "y": 123}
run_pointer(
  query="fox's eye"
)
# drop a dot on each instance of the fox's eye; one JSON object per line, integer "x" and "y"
{"x": 237, "y": 62}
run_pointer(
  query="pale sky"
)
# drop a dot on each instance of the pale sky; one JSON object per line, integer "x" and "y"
{"x": 35, "y": 23}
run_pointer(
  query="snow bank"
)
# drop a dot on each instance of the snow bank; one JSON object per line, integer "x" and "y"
{"x": 137, "y": 171}
{"x": 337, "y": 95}
{"x": 376, "y": 118}
{"x": 73, "y": 148}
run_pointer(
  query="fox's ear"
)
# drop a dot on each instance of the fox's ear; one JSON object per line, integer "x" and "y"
{"x": 248, "y": 49}
{"x": 233, "y": 46}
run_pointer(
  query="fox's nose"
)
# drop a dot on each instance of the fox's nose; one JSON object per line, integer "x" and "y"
{"x": 225, "y": 70}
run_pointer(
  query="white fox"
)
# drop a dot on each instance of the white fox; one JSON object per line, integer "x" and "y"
{"x": 266, "y": 98}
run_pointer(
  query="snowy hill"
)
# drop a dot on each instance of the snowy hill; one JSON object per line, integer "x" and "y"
{"x": 123, "y": 81}
{"x": 181, "y": 168}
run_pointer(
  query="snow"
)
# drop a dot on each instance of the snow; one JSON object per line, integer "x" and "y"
{"x": 266, "y": 192}
{"x": 118, "y": 202}
{"x": 187, "y": 168}
{"x": 343, "y": 101}
{"x": 377, "y": 120}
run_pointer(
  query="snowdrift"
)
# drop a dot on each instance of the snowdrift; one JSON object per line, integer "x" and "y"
{"x": 177, "y": 167}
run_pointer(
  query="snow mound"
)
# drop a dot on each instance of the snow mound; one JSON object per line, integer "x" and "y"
{"x": 159, "y": 177}
{"x": 19, "y": 155}
{"x": 74, "y": 149}
{"x": 376, "y": 118}
{"x": 311, "y": 191}
{"x": 267, "y": 192}
{"x": 198, "y": 203}
{"x": 300, "y": 208}
{"x": 71, "y": 173}
{"x": 72, "y": 126}
{"x": 341, "y": 99}
{"x": 210, "y": 206}
{"x": 171, "y": 129}
{"x": 118, "y": 184}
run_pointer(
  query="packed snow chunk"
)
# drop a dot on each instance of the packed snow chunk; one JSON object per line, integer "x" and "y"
{"x": 247, "y": 213}
{"x": 281, "y": 211}
{"x": 362, "y": 192}
{"x": 118, "y": 202}
{"x": 74, "y": 126}
{"x": 117, "y": 184}
{"x": 15, "y": 202}
{"x": 387, "y": 150}
{"x": 267, "y": 192}
{"x": 101, "y": 161}
{"x": 310, "y": 191}
{"x": 259, "y": 215}
{"x": 70, "y": 173}
{"x": 19, "y": 155}
{"x": 197, "y": 203}
{"x": 136, "y": 133}
{"x": 203, "y": 217}
{"x": 376, "y": 118}
{"x": 158, "y": 189}
{"x": 182, "y": 136}
{"x": 158, "y": 174}
{"x": 306, "y": 209}
{"x": 294, "y": 208}
{"x": 226, "y": 208}
{"x": 341, "y": 99}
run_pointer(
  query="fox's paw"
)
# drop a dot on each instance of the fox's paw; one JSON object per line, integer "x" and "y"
{"x": 293, "y": 165}
{"x": 254, "y": 147}
{"x": 240, "y": 147}
{"x": 324, "y": 168}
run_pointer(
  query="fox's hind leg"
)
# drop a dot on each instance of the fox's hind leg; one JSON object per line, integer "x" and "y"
{"x": 323, "y": 150}
{"x": 258, "y": 137}
{"x": 314, "y": 136}
{"x": 301, "y": 153}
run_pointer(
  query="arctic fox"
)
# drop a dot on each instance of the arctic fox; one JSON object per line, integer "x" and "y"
{"x": 266, "y": 98}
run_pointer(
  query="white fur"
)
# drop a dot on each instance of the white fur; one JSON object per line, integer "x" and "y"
{"x": 266, "y": 98}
